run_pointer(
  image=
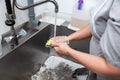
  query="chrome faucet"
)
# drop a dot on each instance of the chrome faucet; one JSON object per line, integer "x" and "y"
{"x": 11, "y": 16}
{"x": 30, "y": 6}
{"x": 36, "y": 4}
{"x": 10, "y": 21}
{"x": 10, "y": 38}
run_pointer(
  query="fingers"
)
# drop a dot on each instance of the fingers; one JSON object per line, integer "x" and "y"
{"x": 58, "y": 51}
{"x": 60, "y": 39}
{"x": 54, "y": 44}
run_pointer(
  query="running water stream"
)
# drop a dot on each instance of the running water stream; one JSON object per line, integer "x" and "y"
{"x": 55, "y": 25}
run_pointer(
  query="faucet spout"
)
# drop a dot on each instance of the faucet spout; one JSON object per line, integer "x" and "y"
{"x": 36, "y": 4}
{"x": 56, "y": 5}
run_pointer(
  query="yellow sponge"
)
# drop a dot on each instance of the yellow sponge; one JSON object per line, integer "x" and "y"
{"x": 49, "y": 42}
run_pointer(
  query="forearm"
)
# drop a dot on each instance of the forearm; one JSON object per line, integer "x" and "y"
{"x": 81, "y": 34}
{"x": 95, "y": 63}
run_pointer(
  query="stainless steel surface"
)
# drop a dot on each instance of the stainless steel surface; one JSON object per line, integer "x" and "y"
{"x": 30, "y": 32}
{"x": 26, "y": 59}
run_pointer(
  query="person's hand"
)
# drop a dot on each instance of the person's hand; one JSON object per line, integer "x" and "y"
{"x": 58, "y": 39}
{"x": 61, "y": 48}
{"x": 61, "y": 39}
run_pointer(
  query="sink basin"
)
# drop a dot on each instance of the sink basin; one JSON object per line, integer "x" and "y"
{"x": 26, "y": 59}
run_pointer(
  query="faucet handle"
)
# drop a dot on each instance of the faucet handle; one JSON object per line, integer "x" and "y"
{"x": 8, "y": 39}
{"x": 22, "y": 32}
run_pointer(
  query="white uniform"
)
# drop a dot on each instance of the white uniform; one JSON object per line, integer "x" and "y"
{"x": 105, "y": 27}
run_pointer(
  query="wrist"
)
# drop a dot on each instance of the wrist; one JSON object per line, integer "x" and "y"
{"x": 69, "y": 49}
{"x": 67, "y": 39}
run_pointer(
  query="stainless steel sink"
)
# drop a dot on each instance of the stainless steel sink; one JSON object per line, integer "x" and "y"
{"x": 27, "y": 58}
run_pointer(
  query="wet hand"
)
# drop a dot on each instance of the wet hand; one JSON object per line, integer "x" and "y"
{"x": 61, "y": 39}
{"x": 61, "y": 48}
